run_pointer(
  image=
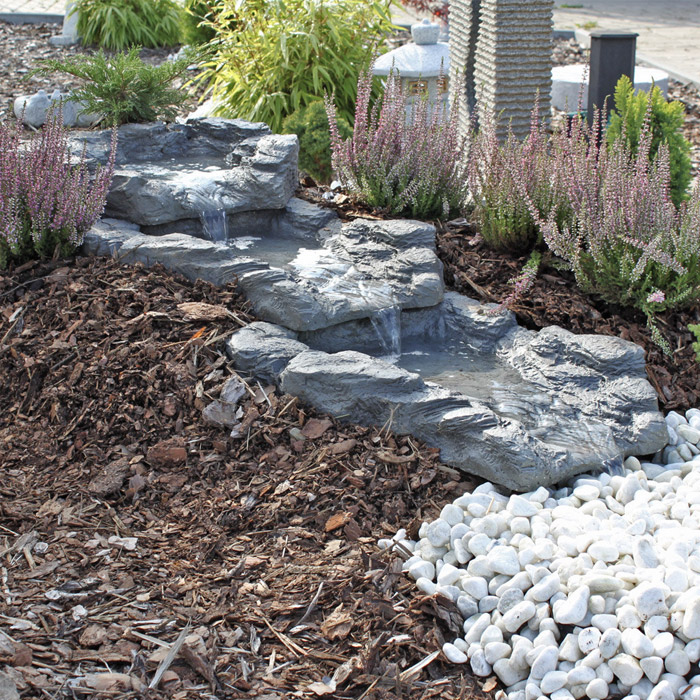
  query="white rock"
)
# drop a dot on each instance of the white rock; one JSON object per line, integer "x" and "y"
{"x": 509, "y": 673}
{"x": 475, "y": 586}
{"x": 663, "y": 644}
{"x": 627, "y": 616}
{"x": 688, "y": 433}
{"x": 520, "y": 506}
{"x": 452, "y": 514}
{"x": 626, "y": 668}
{"x": 662, "y": 691}
{"x": 604, "y": 551}
{"x": 589, "y": 639}
{"x": 494, "y": 651}
{"x": 467, "y": 606}
{"x": 422, "y": 569}
{"x": 554, "y": 680}
{"x": 480, "y": 544}
{"x": 572, "y": 610}
{"x": 480, "y": 666}
{"x": 692, "y": 649}
{"x": 438, "y": 533}
{"x": 636, "y": 643}
{"x": 580, "y": 675}
{"x": 518, "y": 615}
{"x": 691, "y": 620}
{"x": 453, "y": 654}
{"x": 604, "y": 622}
{"x": 677, "y": 662}
{"x": 610, "y": 642}
{"x": 650, "y": 600}
{"x": 449, "y": 575}
{"x": 655, "y": 625}
{"x": 504, "y": 560}
{"x": 545, "y": 662}
{"x": 653, "y": 667}
{"x": 545, "y": 588}
{"x": 597, "y": 689}
{"x": 426, "y": 585}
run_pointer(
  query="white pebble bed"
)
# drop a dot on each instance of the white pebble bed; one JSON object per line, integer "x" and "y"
{"x": 590, "y": 591}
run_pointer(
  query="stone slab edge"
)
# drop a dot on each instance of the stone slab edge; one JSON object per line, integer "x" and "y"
{"x": 30, "y": 18}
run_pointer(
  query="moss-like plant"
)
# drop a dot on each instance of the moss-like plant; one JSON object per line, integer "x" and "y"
{"x": 273, "y": 57}
{"x": 666, "y": 127}
{"x": 310, "y": 124}
{"x": 120, "y": 24}
{"x": 122, "y": 87}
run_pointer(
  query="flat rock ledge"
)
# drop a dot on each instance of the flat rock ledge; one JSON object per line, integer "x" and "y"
{"x": 568, "y": 404}
{"x": 166, "y": 173}
{"x": 354, "y": 270}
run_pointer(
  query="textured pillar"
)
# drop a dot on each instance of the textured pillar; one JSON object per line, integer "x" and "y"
{"x": 513, "y": 61}
{"x": 464, "y": 28}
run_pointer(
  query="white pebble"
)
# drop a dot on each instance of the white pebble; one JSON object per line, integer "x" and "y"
{"x": 453, "y": 654}
{"x": 626, "y": 668}
{"x": 572, "y": 610}
{"x": 597, "y": 689}
{"x": 554, "y": 680}
{"x": 438, "y": 533}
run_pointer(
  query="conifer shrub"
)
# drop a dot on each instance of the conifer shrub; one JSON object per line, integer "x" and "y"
{"x": 46, "y": 204}
{"x": 413, "y": 166}
{"x": 310, "y": 124}
{"x": 122, "y": 87}
{"x": 666, "y": 124}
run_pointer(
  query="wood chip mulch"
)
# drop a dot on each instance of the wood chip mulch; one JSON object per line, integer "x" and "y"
{"x": 145, "y": 553}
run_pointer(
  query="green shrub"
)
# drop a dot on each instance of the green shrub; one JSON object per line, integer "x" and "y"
{"x": 666, "y": 127}
{"x": 122, "y": 87}
{"x": 120, "y": 24}
{"x": 273, "y": 57}
{"x": 195, "y": 21}
{"x": 695, "y": 330}
{"x": 310, "y": 124}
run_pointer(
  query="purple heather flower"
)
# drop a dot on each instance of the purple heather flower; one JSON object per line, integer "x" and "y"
{"x": 656, "y": 297}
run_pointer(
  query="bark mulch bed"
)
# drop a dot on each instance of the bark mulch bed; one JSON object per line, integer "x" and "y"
{"x": 130, "y": 527}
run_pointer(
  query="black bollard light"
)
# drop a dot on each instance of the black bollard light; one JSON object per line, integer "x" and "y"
{"x": 612, "y": 56}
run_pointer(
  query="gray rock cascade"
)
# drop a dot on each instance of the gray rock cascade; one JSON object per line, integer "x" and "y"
{"x": 358, "y": 268}
{"x": 566, "y": 404}
{"x": 165, "y": 173}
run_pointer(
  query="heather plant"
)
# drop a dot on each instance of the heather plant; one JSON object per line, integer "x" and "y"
{"x": 666, "y": 125}
{"x": 273, "y": 57}
{"x": 310, "y": 124}
{"x": 410, "y": 166}
{"x": 46, "y": 204}
{"x": 505, "y": 179}
{"x": 626, "y": 241}
{"x": 120, "y": 24}
{"x": 122, "y": 87}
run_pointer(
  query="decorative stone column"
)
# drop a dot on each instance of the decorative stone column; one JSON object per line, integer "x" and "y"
{"x": 500, "y": 57}
{"x": 464, "y": 28}
{"x": 514, "y": 61}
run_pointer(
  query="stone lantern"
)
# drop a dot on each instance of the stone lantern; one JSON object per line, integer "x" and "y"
{"x": 423, "y": 65}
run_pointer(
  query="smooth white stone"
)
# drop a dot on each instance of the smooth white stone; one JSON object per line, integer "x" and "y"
{"x": 545, "y": 589}
{"x": 684, "y": 450}
{"x": 610, "y": 642}
{"x": 649, "y": 600}
{"x": 451, "y": 592}
{"x": 426, "y": 585}
{"x": 604, "y": 671}
{"x": 508, "y": 673}
{"x": 655, "y": 625}
{"x": 596, "y": 604}
{"x": 438, "y": 533}
{"x": 601, "y": 582}
{"x": 491, "y": 634}
{"x": 662, "y": 691}
{"x": 572, "y": 610}
{"x": 604, "y": 622}
{"x": 688, "y": 433}
{"x": 636, "y": 643}
{"x": 627, "y": 616}
{"x": 691, "y": 620}
{"x": 479, "y": 664}
{"x": 552, "y": 681}
{"x": 520, "y": 525}
{"x": 674, "y": 419}
{"x": 453, "y": 654}
{"x": 545, "y": 662}
{"x": 422, "y": 569}
{"x": 461, "y": 644}
{"x": 663, "y": 644}
{"x": 479, "y": 567}
{"x": 452, "y": 514}
{"x": 475, "y": 586}
{"x": 587, "y": 492}
{"x": 458, "y": 531}
{"x": 644, "y": 554}
{"x": 653, "y": 667}
{"x": 462, "y": 553}
{"x": 488, "y": 603}
{"x": 626, "y": 668}
{"x": 589, "y": 639}
{"x": 677, "y": 662}
{"x": 449, "y": 575}
{"x": 504, "y": 560}
{"x": 594, "y": 659}
{"x": 493, "y": 651}
{"x": 467, "y": 606}
{"x": 569, "y": 649}
{"x": 604, "y": 551}
{"x": 479, "y": 544}
{"x": 509, "y": 599}
{"x": 518, "y": 615}
{"x": 532, "y": 691}
{"x": 580, "y": 675}
{"x": 597, "y": 689}
{"x": 476, "y": 627}
{"x": 692, "y": 649}
{"x": 520, "y": 506}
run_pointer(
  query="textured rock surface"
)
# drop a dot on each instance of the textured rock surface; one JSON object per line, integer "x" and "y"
{"x": 564, "y": 404}
{"x": 169, "y": 172}
{"x": 353, "y": 270}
